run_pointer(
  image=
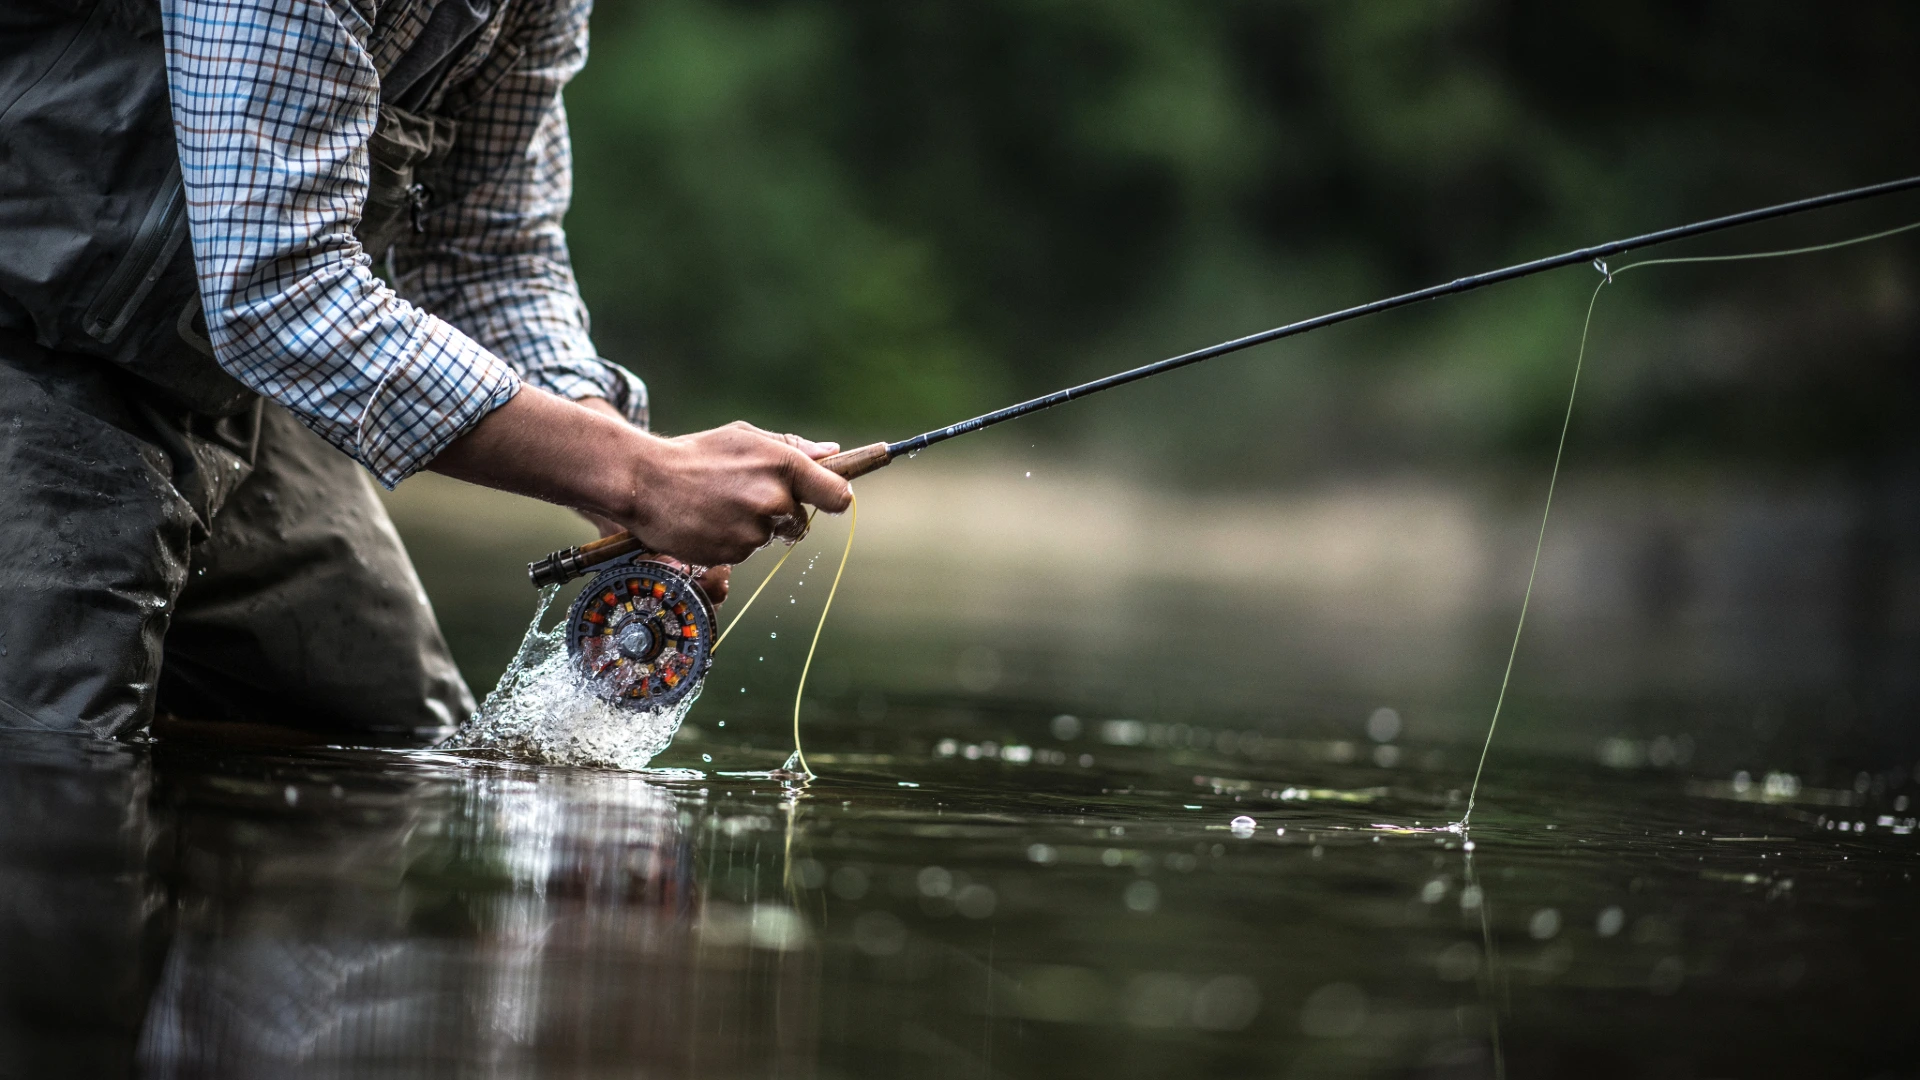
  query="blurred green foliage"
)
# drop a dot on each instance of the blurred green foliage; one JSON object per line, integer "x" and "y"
{"x": 868, "y": 218}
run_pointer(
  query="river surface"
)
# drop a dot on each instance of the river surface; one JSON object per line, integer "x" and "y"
{"x": 1079, "y": 897}
{"x": 1111, "y": 784}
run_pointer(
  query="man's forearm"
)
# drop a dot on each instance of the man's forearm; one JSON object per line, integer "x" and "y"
{"x": 552, "y": 449}
{"x": 709, "y": 498}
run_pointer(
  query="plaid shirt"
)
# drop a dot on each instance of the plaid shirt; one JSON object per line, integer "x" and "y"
{"x": 273, "y": 104}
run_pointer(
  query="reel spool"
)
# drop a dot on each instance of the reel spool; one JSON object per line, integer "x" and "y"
{"x": 641, "y": 633}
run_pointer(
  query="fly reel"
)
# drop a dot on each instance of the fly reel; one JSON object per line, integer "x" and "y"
{"x": 641, "y": 633}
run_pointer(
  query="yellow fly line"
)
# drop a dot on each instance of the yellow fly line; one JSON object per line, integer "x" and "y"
{"x": 799, "y": 757}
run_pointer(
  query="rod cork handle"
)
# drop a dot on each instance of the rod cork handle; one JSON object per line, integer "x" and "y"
{"x": 565, "y": 565}
{"x": 858, "y": 461}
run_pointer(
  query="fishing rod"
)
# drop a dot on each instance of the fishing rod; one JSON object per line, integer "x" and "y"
{"x": 563, "y": 566}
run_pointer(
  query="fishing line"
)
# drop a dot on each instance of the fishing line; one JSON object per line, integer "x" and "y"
{"x": 1566, "y": 422}
{"x": 798, "y": 761}
{"x": 764, "y": 582}
{"x": 853, "y": 522}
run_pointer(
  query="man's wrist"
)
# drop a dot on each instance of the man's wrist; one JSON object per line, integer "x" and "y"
{"x": 626, "y": 468}
{"x": 618, "y": 475}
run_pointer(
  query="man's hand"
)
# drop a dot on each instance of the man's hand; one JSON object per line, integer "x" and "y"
{"x": 711, "y": 498}
{"x": 715, "y": 581}
{"x": 754, "y": 481}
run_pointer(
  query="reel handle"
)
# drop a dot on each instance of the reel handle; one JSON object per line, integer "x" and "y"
{"x": 565, "y": 565}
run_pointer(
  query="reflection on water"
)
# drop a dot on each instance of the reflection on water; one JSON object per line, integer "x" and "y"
{"x": 1078, "y": 902}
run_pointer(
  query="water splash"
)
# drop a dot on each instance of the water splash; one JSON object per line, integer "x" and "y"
{"x": 543, "y": 712}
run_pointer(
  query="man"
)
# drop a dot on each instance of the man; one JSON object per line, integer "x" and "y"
{"x": 195, "y": 352}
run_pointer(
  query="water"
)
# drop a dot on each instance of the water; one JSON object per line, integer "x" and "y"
{"x": 542, "y": 712}
{"x": 1081, "y": 898}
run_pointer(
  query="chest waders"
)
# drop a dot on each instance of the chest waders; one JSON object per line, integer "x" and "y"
{"x": 171, "y": 543}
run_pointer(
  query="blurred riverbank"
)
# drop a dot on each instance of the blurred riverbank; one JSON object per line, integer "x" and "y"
{"x": 1754, "y": 621}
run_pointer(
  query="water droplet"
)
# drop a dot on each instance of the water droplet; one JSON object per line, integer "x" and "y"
{"x": 775, "y": 633}
{"x": 975, "y": 901}
{"x": 1610, "y": 922}
{"x": 1242, "y": 826}
{"x": 706, "y": 757}
{"x": 1029, "y": 474}
{"x": 1544, "y": 925}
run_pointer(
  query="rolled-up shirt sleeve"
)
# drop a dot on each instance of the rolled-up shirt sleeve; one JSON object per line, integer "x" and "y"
{"x": 273, "y": 104}
{"x": 492, "y": 257}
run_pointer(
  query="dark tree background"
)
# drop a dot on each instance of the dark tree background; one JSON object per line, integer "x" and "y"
{"x": 871, "y": 218}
